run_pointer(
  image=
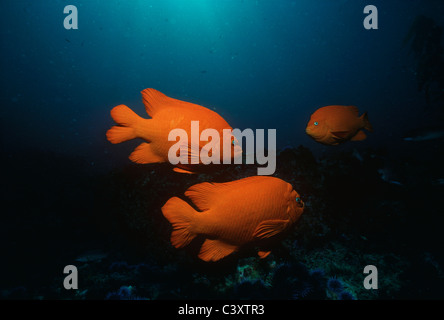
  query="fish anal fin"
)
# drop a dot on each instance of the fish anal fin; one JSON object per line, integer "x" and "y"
{"x": 359, "y": 136}
{"x": 144, "y": 154}
{"x": 179, "y": 170}
{"x": 214, "y": 250}
{"x": 269, "y": 228}
{"x": 263, "y": 254}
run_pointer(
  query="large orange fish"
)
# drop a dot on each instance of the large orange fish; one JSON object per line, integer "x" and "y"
{"x": 166, "y": 114}
{"x": 232, "y": 214}
{"x": 333, "y": 125}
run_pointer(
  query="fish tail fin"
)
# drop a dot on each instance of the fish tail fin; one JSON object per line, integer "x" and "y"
{"x": 127, "y": 121}
{"x": 182, "y": 217}
{"x": 367, "y": 125}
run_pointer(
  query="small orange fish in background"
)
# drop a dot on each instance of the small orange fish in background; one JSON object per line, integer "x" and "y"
{"x": 166, "y": 114}
{"x": 233, "y": 214}
{"x": 333, "y": 125}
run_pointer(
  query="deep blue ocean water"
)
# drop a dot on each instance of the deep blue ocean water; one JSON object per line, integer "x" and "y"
{"x": 261, "y": 64}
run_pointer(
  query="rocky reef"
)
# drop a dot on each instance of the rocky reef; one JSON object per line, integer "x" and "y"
{"x": 111, "y": 228}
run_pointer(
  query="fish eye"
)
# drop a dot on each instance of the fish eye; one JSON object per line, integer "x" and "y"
{"x": 233, "y": 142}
{"x": 316, "y": 123}
{"x": 298, "y": 199}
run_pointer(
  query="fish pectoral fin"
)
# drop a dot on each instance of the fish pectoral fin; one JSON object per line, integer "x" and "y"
{"x": 214, "y": 250}
{"x": 179, "y": 170}
{"x": 263, "y": 254}
{"x": 269, "y": 228}
{"x": 192, "y": 154}
{"x": 359, "y": 136}
{"x": 144, "y": 154}
{"x": 341, "y": 134}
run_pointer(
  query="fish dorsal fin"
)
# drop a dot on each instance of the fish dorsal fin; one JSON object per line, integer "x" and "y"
{"x": 155, "y": 100}
{"x": 214, "y": 250}
{"x": 192, "y": 155}
{"x": 202, "y": 194}
{"x": 206, "y": 194}
{"x": 359, "y": 136}
{"x": 269, "y": 228}
{"x": 354, "y": 109}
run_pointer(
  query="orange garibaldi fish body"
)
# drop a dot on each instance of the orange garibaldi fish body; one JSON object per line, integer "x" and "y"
{"x": 333, "y": 125}
{"x": 233, "y": 214}
{"x": 166, "y": 114}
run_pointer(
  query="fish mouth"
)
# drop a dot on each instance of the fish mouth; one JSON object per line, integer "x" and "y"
{"x": 237, "y": 151}
{"x": 300, "y": 204}
{"x": 310, "y": 132}
{"x": 235, "y": 154}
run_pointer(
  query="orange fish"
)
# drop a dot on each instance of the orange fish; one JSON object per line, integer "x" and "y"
{"x": 232, "y": 214}
{"x": 166, "y": 114}
{"x": 333, "y": 125}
